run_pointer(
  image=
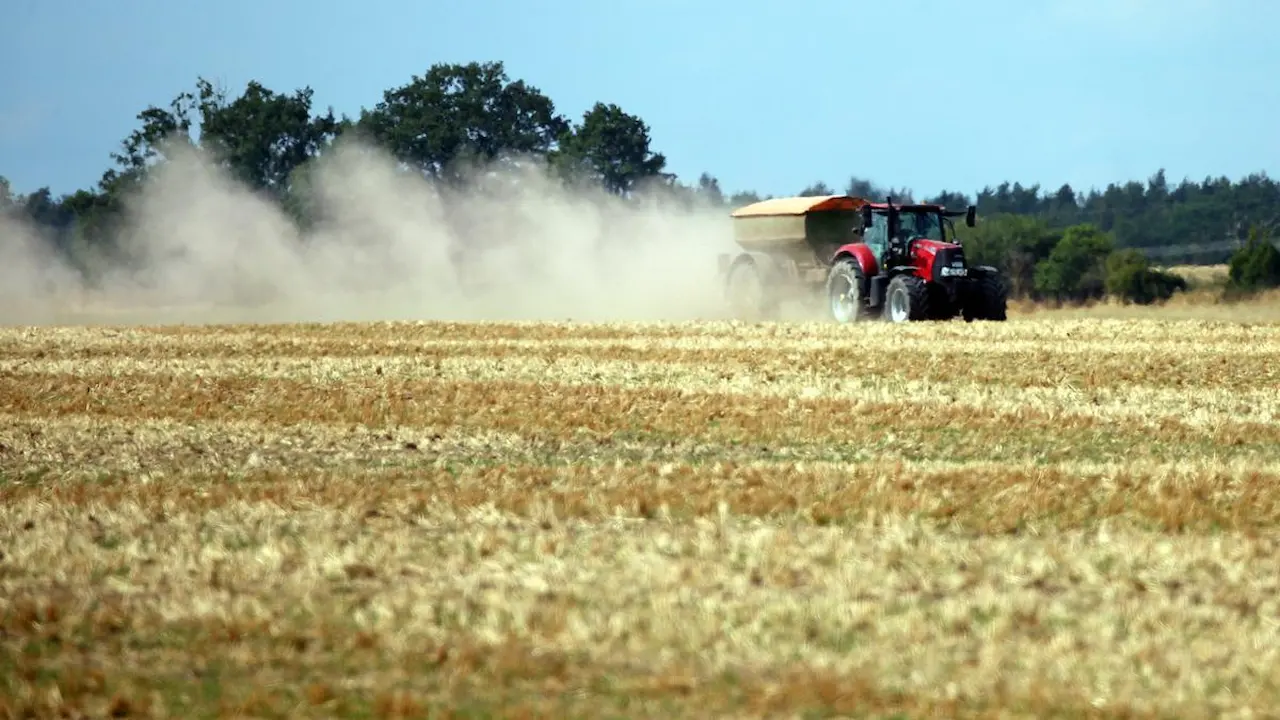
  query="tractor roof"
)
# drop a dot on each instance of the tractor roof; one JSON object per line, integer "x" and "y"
{"x": 799, "y": 205}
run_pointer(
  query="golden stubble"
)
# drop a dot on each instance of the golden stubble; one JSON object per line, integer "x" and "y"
{"x": 554, "y": 519}
{"x": 1130, "y": 620}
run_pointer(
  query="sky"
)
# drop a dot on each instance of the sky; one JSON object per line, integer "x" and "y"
{"x": 766, "y": 96}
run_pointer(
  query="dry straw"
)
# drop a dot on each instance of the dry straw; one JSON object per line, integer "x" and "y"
{"x": 1035, "y": 518}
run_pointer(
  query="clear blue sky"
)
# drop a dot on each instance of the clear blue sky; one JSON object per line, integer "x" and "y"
{"x": 770, "y": 96}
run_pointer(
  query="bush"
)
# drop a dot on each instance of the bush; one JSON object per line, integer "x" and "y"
{"x": 1131, "y": 279}
{"x": 1254, "y": 267}
{"x": 1013, "y": 243}
{"x": 1076, "y": 268}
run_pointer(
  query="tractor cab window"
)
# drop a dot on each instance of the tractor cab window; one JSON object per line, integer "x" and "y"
{"x": 920, "y": 225}
{"x": 877, "y": 236}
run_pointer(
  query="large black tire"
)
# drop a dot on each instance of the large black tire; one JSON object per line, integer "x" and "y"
{"x": 748, "y": 293}
{"x": 991, "y": 300}
{"x": 846, "y": 292}
{"x": 907, "y": 299}
{"x": 940, "y": 305}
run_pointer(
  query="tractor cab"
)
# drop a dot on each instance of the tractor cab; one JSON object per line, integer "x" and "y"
{"x": 889, "y": 230}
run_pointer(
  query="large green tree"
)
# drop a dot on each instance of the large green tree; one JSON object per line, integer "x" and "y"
{"x": 457, "y": 113}
{"x": 611, "y": 147}
{"x": 263, "y": 136}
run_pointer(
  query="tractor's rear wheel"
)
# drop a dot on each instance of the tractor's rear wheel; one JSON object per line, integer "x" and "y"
{"x": 845, "y": 297}
{"x": 907, "y": 299}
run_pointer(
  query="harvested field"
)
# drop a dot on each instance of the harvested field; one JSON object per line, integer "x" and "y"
{"x": 1039, "y": 518}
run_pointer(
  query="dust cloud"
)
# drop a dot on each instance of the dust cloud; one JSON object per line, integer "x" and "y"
{"x": 199, "y": 247}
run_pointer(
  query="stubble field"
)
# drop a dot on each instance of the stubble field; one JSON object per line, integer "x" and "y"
{"x": 1041, "y": 518}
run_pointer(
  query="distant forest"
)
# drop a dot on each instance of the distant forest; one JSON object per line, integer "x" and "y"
{"x": 475, "y": 112}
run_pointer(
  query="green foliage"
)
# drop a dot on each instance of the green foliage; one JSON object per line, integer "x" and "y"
{"x": 262, "y": 136}
{"x": 1131, "y": 279}
{"x": 709, "y": 190}
{"x": 1254, "y": 267}
{"x": 161, "y": 127}
{"x": 818, "y": 189}
{"x": 1014, "y": 243}
{"x": 861, "y": 187}
{"x": 1190, "y": 222}
{"x": 609, "y": 147}
{"x": 458, "y": 114}
{"x": 1075, "y": 269}
{"x": 742, "y": 199}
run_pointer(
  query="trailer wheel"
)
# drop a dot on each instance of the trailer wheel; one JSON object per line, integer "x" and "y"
{"x": 746, "y": 292}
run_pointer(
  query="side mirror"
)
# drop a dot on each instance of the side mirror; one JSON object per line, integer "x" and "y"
{"x": 866, "y": 216}
{"x": 971, "y": 216}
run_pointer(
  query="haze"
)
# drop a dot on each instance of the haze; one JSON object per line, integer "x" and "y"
{"x": 926, "y": 95}
{"x": 513, "y": 246}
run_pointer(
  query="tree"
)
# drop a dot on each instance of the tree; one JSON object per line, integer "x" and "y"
{"x": 1131, "y": 279}
{"x": 817, "y": 189}
{"x": 611, "y": 147}
{"x": 950, "y": 200}
{"x": 43, "y": 209}
{"x": 1014, "y": 243}
{"x": 460, "y": 113}
{"x": 6, "y": 194}
{"x": 863, "y": 188}
{"x": 262, "y": 136}
{"x": 709, "y": 190}
{"x": 1254, "y": 267}
{"x": 95, "y": 218}
{"x": 160, "y": 129}
{"x": 1075, "y": 269}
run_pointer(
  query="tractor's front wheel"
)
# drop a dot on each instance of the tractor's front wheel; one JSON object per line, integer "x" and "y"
{"x": 907, "y": 299}
{"x": 845, "y": 298}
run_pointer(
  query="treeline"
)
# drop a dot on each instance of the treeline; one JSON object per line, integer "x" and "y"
{"x": 1056, "y": 243}
{"x": 1196, "y": 222}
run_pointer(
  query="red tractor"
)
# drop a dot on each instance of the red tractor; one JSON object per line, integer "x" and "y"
{"x": 901, "y": 262}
